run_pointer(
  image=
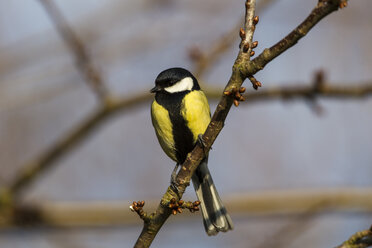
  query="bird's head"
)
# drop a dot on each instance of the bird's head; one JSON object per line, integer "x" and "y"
{"x": 175, "y": 80}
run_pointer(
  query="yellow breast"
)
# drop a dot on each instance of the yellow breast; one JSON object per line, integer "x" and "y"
{"x": 196, "y": 112}
{"x": 163, "y": 129}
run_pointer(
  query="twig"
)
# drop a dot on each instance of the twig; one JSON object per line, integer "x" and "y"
{"x": 177, "y": 206}
{"x": 203, "y": 60}
{"x": 361, "y": 239}
{"x": 242, "y": 68}
{"x": 138, "y": 208}
{"x": 83, "y": 60}
{"x": 323, "y": 8}
{"x": 249, "y": 28}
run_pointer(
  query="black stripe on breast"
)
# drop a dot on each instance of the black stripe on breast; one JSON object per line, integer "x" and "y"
{"x": 183, "y": 137}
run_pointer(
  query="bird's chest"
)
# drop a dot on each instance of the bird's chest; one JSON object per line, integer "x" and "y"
{"x": 171, "y": 126}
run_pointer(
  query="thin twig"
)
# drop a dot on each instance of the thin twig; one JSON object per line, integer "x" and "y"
{"x": 323, "y": 8}
{"x": 249, "y": 28}
{"x": 204, "y": 60}
{"x": 83, "y": 60}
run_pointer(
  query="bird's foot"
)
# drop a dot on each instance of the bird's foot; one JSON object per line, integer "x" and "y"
{"x": 203, "y": 144}
{"x": 173, "y": 181}
{"x": 201, "y": 141}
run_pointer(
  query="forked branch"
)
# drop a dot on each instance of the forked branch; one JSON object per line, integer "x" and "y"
{"x": 242, "y": 69}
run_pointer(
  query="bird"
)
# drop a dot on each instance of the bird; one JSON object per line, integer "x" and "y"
{"x": 180, "y": 115}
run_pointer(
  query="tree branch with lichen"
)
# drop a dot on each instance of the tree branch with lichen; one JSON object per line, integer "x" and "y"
{"x": 362, "y": 239}
{"x": 243, "y": 68}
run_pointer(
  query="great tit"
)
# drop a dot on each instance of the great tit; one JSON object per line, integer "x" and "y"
{"x": 180, "y": 115}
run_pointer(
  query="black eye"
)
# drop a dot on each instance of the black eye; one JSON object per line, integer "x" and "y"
{"x": 164, "y": 83}
{"x": 172, "y": 81}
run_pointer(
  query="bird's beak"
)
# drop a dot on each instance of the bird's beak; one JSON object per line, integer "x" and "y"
{"x": 155, "y": 89}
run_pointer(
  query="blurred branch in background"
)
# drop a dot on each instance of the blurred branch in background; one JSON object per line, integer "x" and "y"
{"x": 83, "y": 60}
{"x": 77, "y": 134}
{"x": 300, "y": 204}
{"x": 287, "y": 234}
{"x": 68, "y": 141}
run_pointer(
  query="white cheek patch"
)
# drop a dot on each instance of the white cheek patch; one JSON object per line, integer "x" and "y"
{"x": 182, "y": 85}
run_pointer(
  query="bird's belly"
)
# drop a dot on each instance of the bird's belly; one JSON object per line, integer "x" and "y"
{"x": 177, "y": 125}
{"x": 163, "y": 129}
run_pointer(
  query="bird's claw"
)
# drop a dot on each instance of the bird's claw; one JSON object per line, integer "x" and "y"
{"x": 203, "y": 144}
{"x": 173, "y": 181}
{"x": 201, "y": 141}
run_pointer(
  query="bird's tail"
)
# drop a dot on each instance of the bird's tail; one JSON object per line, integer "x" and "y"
{"x": 215, "y": 217}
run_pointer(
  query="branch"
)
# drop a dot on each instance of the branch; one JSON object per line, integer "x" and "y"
{"x": 47, "y": 159}
{"x": 361, "y": 239}
{"x": 323, "y": 8}
{"x": 203, "y": 60}
{"x": 263, "y": 203}
{"x": 83, "y": 60}
{"x": 305, "y": 92}
{"x": 158, "y": 218}
{"x": 318, "y": 88}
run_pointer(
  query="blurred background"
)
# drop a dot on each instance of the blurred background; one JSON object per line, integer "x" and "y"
{"x": 77, "y": 145}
